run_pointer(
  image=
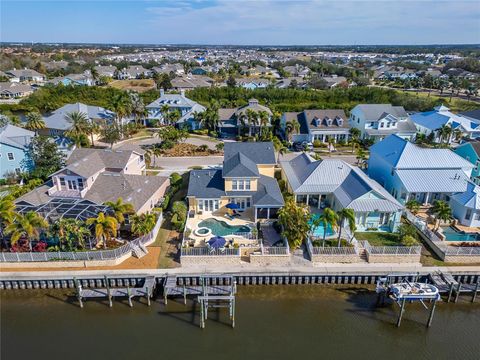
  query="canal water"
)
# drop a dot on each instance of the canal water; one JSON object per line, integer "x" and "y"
{"x": 272, "y": 322}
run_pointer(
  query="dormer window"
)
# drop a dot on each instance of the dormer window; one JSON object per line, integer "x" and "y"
{"x": 316, "y": 121}
{"x": 339, "y": 121}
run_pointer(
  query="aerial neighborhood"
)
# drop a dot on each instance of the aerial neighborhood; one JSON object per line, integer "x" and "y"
{"x": 238, "y": 156}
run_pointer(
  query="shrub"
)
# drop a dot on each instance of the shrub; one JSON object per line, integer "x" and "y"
{"x": 203, "y": 148}
{"x": 175, "y": 179}
{"x": 317, "y": 143}
{"x": 166, "y": 201}
{"x": 179, "y": 208}
{"x": 409, "y": 240}
{"x": 405, "y": 230}
{"x": 220, "y": 146}
{"x": 167, "y": 144}
{"x": 282, "y": 185}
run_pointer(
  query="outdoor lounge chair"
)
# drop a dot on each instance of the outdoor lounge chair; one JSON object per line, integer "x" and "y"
{"x": 236, "y": 213}
{"x": 229, "y": 217}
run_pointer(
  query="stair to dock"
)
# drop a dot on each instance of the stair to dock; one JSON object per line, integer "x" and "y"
{"x": 363, "y": 255}
{"x": 139, "y": 251}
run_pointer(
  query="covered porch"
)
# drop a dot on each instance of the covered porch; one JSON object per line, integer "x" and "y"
{"x": 319, "y": 201}
{"x": 426, "y": 198}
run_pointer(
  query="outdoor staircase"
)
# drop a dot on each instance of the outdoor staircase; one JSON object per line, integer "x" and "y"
{"x": 139, "y": 251}
{"x": 363, "y": 254}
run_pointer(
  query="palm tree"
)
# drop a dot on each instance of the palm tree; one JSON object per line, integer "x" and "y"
{"x": 35, "y": 122}
{"x": 291, "y": 127}
{"x": 143, "y": 224}
{"x": 120, "y": 209}
{"x": 264, "y": 118}
{"x": 165, "y": 109}
{"x": 354, "y": 137}
{"x": 121, "y": 105}
{"x": 252, "y": 117}
{"x": 95, "y": 75}
{"x": 137, "y": 106}
{"x": 413, "y": 206}
{"x": 7, "y": 213}
{"x": 328, "y": 218}
{"x": 281, "y": 151}
{"x": 71, "y": 233}
{"x": 444, "y": 132}
{"x": 442, "y": 212}
{"x": 79, "y": 126}
{"x": 92, "y": 129}
{"x": 105, "y": 227}
{"x": 28, "y": 226}
{"x": 348, "y": 215}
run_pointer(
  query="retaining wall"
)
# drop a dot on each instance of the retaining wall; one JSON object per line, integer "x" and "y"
{"x": 373, "y": 258}
{"x": 346, "y": 258}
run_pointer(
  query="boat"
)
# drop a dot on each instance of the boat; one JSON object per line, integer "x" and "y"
{"x": 413, "y": 291}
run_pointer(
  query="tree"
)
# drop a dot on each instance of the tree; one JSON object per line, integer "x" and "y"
{"x": 79, "y": 126}
{"x": 291, "y": 127}
{"x": 294, "y": 219}
{"x": 346, "y": 215}
{"x": 444, "y": 133}
{"x": 71, "y": 233}
{"x": 409, "y": 240}
{"x": 361, "y": 157}
{"x": 282, "y": 150}
{"x": 45, "y": 156}
{"x": 442, "y": 211}
{"x": 111, "y": 134}
{"x": 406, "y": 230}
{"x": 95, "y": 75}
{"x": 137, "y": 106}
{"x": 7, "y": 213}
{"x": 27, "y": 227}
{"x": 121, "y": 105}
{"x": 220, "y": 146}
{"x": 354, "y": 137}
{"x": 35, "y": 122}
{"x": 143, "y": 224}
{"x": 329, "y": 218}
{"x": 231, "y": 81}
{"x": 413, "y": 206}
{"x": 105, "y": 227}
{"x": 120, "y": 209}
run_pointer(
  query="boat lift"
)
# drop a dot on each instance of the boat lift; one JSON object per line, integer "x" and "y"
{"x": 407, "y": 290}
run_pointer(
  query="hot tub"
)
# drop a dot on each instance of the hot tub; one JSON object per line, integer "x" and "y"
{"x": 202, "y": 231}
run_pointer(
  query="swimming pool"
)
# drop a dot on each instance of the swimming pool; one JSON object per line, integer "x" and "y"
{"x": 320, "y": 230}
{"x": 221, "y": 228}
{"x": 451, "y": 234}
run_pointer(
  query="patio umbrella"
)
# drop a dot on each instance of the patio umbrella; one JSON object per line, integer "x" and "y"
{"x": 232, "y": 206}
{"x": 217, "y": 242}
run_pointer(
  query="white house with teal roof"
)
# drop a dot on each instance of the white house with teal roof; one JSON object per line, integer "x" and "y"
{"x": 337, "y": 185}
{"x": 14, "y": 150}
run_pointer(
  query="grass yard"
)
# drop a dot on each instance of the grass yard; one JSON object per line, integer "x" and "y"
{"x": 376, "y": 238}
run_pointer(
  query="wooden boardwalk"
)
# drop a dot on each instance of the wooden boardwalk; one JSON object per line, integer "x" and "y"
{"x": 110, "y": 293}
{"x": 446, "y": 284}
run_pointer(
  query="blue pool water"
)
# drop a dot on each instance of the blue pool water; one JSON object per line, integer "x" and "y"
{"x": 221, "y": 228}
{"x": 320, "y": 230}
{"x": 453, "y": 235}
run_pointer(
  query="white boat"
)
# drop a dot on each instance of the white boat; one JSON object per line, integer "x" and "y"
{"x": 413, "y": 291}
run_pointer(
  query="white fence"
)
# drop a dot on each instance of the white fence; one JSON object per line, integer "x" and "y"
{"x": 206, "y": 251}
{"x": 84, "y": 255}
{"x": 441, "y": 245}
{"x": 316, "y": 250}
{"x": 275, "y": 250}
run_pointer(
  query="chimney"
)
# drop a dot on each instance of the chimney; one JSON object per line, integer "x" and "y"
{"x": 182, "y": 92}
{"x": 162, "y": 92}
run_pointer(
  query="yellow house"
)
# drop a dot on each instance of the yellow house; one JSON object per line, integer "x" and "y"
{"x": 245, "y": 180}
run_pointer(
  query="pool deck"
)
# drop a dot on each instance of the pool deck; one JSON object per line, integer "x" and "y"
{"x": 246, "y": 219}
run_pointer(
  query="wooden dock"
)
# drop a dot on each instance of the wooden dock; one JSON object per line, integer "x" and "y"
{"x": 207, "y": 294}
{"x": 110, "y": 293}
{"x": 446, "y": 284}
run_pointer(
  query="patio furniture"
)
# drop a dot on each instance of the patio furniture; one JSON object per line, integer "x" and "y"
{"x": 217, "y": 242}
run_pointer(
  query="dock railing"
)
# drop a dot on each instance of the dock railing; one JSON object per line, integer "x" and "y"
{"x": 206, "y": 251}
{"x": 113, "y": 254}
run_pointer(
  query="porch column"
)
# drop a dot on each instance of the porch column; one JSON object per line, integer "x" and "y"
{"x": 255, "y": 214}
{"x": 268, "y": 213}
{"x": 406, "y": 197}
{"x": 427, "y": 195}
{"x": 319, "y": 200}
{"x": 307, "y": 198}
{"x": 335, "y": 138}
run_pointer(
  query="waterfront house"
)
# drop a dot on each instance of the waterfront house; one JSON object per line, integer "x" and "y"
{"x": 12, "y": 90}
{"x": 233, "y": 120}
{"x": 336, "y": 184}
{"x": 175, "y": 102}
{"x": 377, "y": 121}
{"x": 409, "y": 171}
{"x": 320, "y": 125}
{"x": 57, "y": 123}
{"x": 24, "y": 75}
{"x": 470, "y": 151}
{"x": 432, "y": 121}
{"x": 14, "y": 150}
{"x": 466, "y": 206}
{"x": 98, "y": 176}
{"x": 246, "y": 179}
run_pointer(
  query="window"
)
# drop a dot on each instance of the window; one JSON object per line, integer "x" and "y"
{"x": 80, "y": 184}
{"x": 241, "y": 184}
{"x": 468, "y": 214}
{"x": 10, "y": 156}
{"x": 234, "y": 185}
{"x": 372, "y": 124}
{"x": 247, "y": 184}
{"x": 62, "y": 181}
{"x": 382, "y": 124}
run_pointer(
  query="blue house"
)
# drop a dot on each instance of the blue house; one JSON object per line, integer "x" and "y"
{"x": 14, "y": 145}
{"x": 408, "y": 171}
{"x": 470, "y": 151}
{"x": 466, "y": 206}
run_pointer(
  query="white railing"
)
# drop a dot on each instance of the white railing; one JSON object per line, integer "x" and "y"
{"x": 394, "y": 250}
{"x": 205, "y": 251}
{"x": 83, "y": 255}
{"x": 275, "y": 250}
{"x": 334, "y": 251}
{"x": 442, "y": 245}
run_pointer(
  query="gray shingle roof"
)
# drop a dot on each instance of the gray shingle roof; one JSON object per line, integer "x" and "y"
{"x": 206, "y": 184}
{"x": 373, "y": 112}
{"x": 258, "y": 152}
{"x": 58, "y": 121}
{"x": 239, "y": 165}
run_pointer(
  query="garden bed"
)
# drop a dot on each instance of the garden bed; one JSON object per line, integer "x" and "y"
{"x": 379, "y": 238}
{"x": 184, "y": 149}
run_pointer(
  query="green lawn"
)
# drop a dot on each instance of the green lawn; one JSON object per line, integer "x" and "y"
{"x": 376, "y": 238}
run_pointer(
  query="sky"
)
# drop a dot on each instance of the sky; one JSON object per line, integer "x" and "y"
{"x": 242, "y": 22}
